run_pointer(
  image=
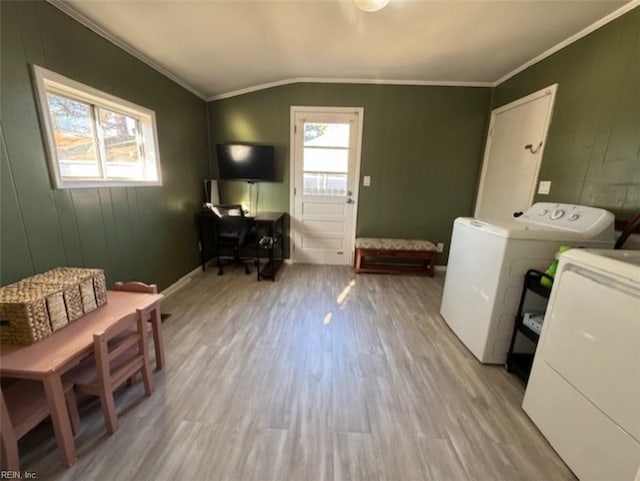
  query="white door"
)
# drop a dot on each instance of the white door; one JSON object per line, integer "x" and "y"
{"x": 517, "y": 135}
{"x": 325, "y": 165}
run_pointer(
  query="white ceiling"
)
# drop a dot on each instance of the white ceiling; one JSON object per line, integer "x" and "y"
{"x": 221, "y": 47}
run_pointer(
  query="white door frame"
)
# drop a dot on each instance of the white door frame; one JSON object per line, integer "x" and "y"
{"x": 550, "y": 90}
{"x": 359, "y": 111}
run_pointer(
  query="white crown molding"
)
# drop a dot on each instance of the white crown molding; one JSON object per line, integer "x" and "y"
{"x": 627, "y": 7}
{"x": 91, "y": 25}
{"x": 324, "y": 80}
{"x": 67, "y": 9}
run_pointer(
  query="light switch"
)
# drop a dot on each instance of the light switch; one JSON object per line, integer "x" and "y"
{"x": 366, "y": 180}
{"x": 544, "y": 187}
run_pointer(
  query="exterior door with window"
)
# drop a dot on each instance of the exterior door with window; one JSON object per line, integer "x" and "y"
{"x": 326, "y": 146}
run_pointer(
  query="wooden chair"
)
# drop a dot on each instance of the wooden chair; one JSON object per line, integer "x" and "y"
{"x": 155, "y": 321}
{"x": 23, "y": 406}
{"x": 119, "y": 352}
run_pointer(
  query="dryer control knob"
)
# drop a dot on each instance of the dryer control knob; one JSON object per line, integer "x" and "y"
{"x": 543, "y": 212}
{"x": 557, "y": 214}
{"x": 574, "y": 217}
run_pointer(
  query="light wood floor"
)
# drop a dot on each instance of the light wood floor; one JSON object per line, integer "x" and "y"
{"x": 322, "y": 375}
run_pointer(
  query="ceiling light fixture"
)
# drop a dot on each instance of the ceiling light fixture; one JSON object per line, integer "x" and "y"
{"x": 370, "y": 5}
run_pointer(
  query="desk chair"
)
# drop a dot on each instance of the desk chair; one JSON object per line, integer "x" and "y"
{"x": 233, "y": 231}
{"x": 23, "y": 405}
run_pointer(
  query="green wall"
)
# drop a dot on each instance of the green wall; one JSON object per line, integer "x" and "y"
{"x": 592, "y": 154}
{"x": 144, "y": 233}
{"x": 422, "y": 147}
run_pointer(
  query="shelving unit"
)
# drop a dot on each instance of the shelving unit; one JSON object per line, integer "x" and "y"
{"x": 520, "y": 363}
{"x": 272, "y": 226}
{"x": 273, "y": 264}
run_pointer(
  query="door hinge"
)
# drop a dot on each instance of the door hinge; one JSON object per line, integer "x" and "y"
{"x": 295, "y": 191}
{"x": 295, "y": 129}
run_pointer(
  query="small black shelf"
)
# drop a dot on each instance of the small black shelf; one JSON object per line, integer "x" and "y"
{"x": 269, "y": 270}
{"x": 520, "y": 363}
{"x": 271, "y": 248}
{"x": 527, "y": 331}
{"x": 532, "y": 281}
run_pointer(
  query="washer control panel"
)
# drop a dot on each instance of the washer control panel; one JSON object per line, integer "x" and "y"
{"x": 576, "y": 218}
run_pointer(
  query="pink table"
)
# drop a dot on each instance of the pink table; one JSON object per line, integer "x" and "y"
{"x": 47, "y": 360}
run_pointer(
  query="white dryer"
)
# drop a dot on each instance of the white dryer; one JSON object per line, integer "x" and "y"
{"x": 488, "y": 260}
{"x": 584, "y": 388}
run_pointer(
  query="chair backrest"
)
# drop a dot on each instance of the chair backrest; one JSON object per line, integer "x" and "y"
{"x": 232, "y": 227}
{"x": 228, "y": 210}
{"x": 120, "y": 350}
{"x": 135, "y": 286}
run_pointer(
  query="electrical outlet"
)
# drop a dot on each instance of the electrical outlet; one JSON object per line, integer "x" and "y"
{"x": 366, "y": 180}
{"x": 544, "y": 187}
{"x": 440, "y": 246}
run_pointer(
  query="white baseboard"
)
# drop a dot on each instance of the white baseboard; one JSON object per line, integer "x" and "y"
{"x": 437, "y": 268}
{"x": 183, "y": 281}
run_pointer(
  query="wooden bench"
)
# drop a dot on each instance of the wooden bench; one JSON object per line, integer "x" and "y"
{"x": 390, "y": 253}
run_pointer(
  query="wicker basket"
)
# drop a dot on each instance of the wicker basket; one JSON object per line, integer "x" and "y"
{"x": 91, "y": 284}
{"x": 24, "y": 314}
{"x": 70, "y": 291}
{"x": 35, "y": 307}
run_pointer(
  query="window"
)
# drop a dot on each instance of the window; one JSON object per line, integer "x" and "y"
{"x": 95, "y": 139}
{"x": 325, "y": 158}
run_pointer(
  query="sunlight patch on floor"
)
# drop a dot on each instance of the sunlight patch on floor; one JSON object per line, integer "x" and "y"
{"x": 345, "y": 292}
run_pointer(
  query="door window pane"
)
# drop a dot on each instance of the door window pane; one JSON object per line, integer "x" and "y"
{"x": 325, "y": 160}
{"x": 319, "y": 183}
{"x": 121, "y": 134}
{"x": 74, "y": 137}
{"x": 326, "y": 135}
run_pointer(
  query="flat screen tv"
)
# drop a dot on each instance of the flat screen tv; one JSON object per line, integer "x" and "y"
{"x": 251, "y": 163}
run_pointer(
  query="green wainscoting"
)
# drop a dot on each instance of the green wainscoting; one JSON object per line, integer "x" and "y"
{"x": 592, "y": 154}
{"x": 422, "y": 147}
{"x": 144, "y": 233}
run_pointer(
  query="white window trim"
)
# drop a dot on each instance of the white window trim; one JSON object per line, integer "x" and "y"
{"x": 46, "y": 78}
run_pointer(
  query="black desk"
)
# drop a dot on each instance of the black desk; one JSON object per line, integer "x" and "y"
{"x": 269, "y": 224}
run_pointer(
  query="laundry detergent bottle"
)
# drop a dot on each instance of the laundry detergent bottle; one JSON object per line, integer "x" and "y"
{"x": 551, "y": 271}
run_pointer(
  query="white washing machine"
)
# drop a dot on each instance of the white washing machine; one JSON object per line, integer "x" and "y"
{"x": 584, "y": 389}
{"x": 488, "y": 260}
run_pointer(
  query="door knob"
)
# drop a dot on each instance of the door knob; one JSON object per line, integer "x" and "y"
{"x": 350, "y": 201}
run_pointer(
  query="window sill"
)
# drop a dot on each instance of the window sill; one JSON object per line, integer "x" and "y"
{"x": 105, "y": 184}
